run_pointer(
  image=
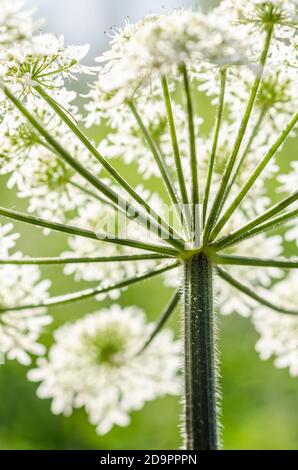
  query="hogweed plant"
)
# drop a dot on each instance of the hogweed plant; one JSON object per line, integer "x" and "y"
{"x": 216, "y": 232}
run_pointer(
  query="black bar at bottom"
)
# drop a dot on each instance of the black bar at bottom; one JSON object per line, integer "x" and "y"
{"x": 134, "y": 459}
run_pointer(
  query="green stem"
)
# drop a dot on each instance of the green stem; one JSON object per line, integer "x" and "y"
{"x": 245, "y": 153}
{"x": 263, "y": 228}
{"x": 121, "y": 203}
{"x": 223, "y": 80}
{"x": 164, "y": 317}
{"x": 200, "y": 356}
{"x": 258, "y": 221}
{"x": 252, "y": 294}
{"x": 93, "y": 195}
{"x": 38, "y": 222}
{"x": 104, "y": 163}
{"x": 80, "y": 260}
{"x": 217, "y": 205}
{"x": 166, "y": 178}
{"x": 255, "y": 175}
{"x": 89, "y": 293}
{"x": 195, "y": 197}
{"x": 175, "y": 145}
{"x": 260, "y": 262}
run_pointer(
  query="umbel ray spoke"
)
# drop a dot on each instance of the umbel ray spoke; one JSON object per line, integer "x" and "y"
{"x": 176, "y": 150}
{"x": 89, "y": 293}
{"x": 167, "y": 234}
{"x": 220, "y": 108}
{"x": 195, "y": 199}
{"x": 92, "y": 194}
{"x": 252, "y": 294}
{"x": 242, "y": 232}
{"x": 273, "y": 224}
{"x": 99, "y": 198}
{"x": 246, "y": 151}
{"x": 174, "y": 139}
{"x": 258, "y": 262}
{"x": 163, "y": 169}
{"x": 81, "y": 260}
{"x": 164, "y": 317}
{"x": 217, "y": 204}
{"x": 37, "y": 221}
{"x": 253, "y": 178}
{"x": 105, "y": 164}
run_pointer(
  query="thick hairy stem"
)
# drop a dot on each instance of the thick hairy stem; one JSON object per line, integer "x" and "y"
{"x": 200, "y": 357}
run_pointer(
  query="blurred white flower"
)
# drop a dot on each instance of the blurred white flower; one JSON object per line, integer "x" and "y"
{"x": 20, "y": 330}
{"x": 7, "y": 239}
{"x": 159, "y": 44}
{"x": 279, "y": 332}
{"x": 15, "y": 22}
{"x": 94, "y": 364}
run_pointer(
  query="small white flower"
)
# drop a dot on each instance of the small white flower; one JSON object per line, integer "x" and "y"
{"x": 94, "y": 364}
{"x": 41, "y": 60}
{"x": 261, "y": 12}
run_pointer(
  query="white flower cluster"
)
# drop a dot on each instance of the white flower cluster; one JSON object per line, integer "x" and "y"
{"x": 38, "y": 173}
{"x": 94, "y": 364}
{"x": 278, "y": 332}
{"x": 15, "y": 23}
{"x": 283, "y": 12}
{"x": 20, "y": 330}
{"x": 159, "y": 45}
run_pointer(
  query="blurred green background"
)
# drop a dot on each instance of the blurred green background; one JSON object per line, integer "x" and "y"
{"x": 259, "y": 402}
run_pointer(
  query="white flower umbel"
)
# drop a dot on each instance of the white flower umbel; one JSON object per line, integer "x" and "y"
{"x": 15, "y": 22}
{"x": 20, "y": 330}
{"x": 260, "y": 11}
{"x": 95, "y": 364}
{"x": 41, "y": 60}
{"x": 279, "y": 333}
{"x": 159, "y": 45}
